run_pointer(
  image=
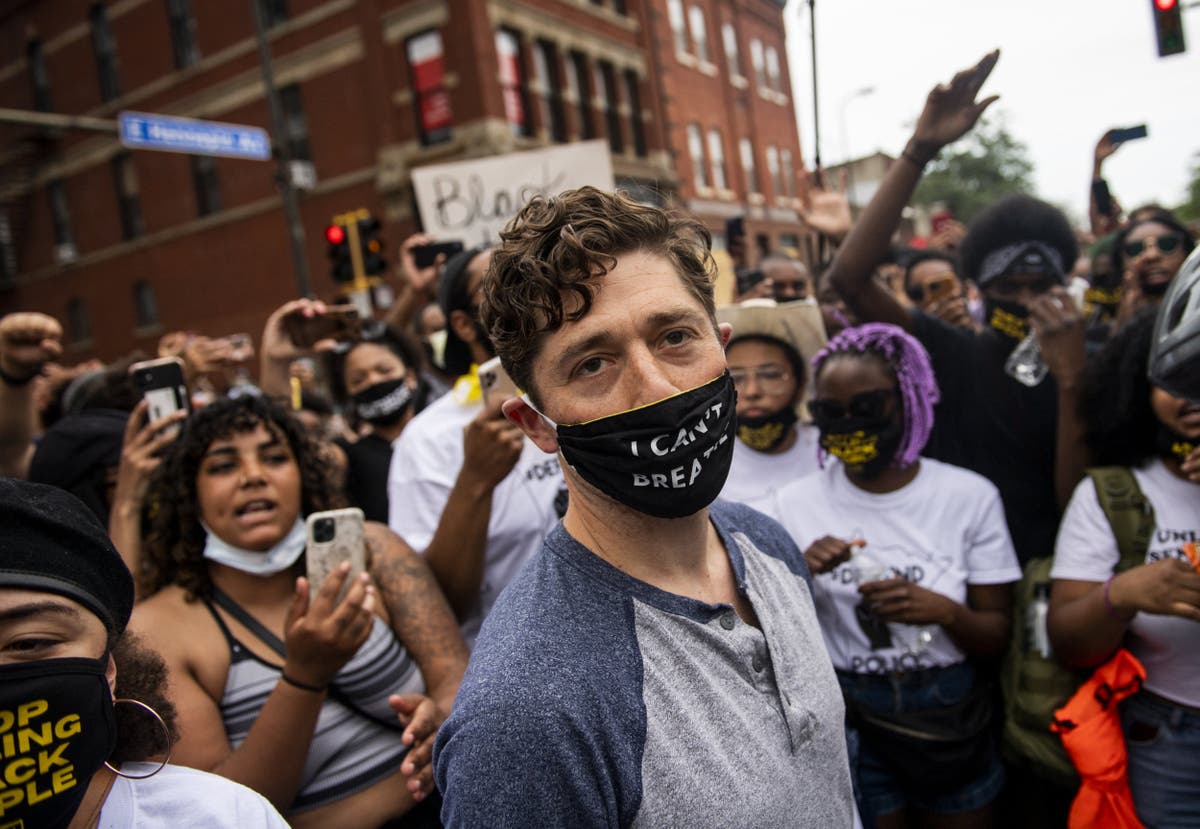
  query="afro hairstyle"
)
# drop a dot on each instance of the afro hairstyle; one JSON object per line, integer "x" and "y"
{"x": 1016, "y": 218}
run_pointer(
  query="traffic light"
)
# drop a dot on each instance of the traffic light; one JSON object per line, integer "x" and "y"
{"x": 341, "y": 262}
{"x": 1168, "y": 27}
{"x": 373, "y": 262}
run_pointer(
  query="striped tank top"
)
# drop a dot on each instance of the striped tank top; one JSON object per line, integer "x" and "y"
{"x": 356, "y": 742}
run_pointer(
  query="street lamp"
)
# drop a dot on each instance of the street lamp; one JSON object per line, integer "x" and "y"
{"x": 849, "y": 168}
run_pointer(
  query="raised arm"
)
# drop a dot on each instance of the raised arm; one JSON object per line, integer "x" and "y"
{"x": 28, "y": 341}
{"x": 950, "y": 111}
{"x": 416, "y": 284}
{"x": 278, "y": 350}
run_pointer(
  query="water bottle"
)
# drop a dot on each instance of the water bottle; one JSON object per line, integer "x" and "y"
{"x": 1038, "y": 637}
{"x": 915, "y": 639}
{"x": 1025, "y": 364}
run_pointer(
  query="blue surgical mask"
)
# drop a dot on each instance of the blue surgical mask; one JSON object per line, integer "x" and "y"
{"x": 275, "y": 560}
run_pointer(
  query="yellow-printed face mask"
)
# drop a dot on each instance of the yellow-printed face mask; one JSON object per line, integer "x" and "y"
{"x": 866, "y": 446}
{"x": 766, "y": 433}
{"x": 1010, "y": 319}
{"x": 852, "y": 448}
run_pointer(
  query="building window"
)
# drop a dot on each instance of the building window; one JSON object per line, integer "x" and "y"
{"x": 295, "y": 125}
{"x": 550, "y": 102}
{"x": 634, "y": 97}
{"x": 426, "y": 70}
{"x": 773, "y": 171}
{"x": 208, "y": 189}
{"x": 729, "y": 41}
{"x": 577, "y": 82}
{"x": 696, "y": 151}
{"x": 274, "y": 12}
{"x": 183, "y": 33}
{"x": 79, "y": 323}
{"x": 789, "y": 175}
{"x": 105, "y": 47}
{"x": 513, "y": 82}
{"x": 606, "y": 83}
{"x": 756, "y": 63}
{"x": 699, "y": 33}
{"x": 746, "y": 150}
{"x": 678, "y": 25}
{"x": 130, "y": 208}
{"x": 60, "y": 215}
{"x": 145, "y": 305}
{"x": 619, "y": 7}
{"x": 39, "y": 76}
{"x": 774, "y": 80}
{"x": 8, "y": 253}
{"x": 716, "y": 156}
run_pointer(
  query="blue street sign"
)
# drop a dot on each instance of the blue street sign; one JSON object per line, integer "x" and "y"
{"x": 146, "y": 131}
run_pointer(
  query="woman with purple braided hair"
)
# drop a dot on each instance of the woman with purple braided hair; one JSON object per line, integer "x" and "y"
{"x": 912, "y": 566}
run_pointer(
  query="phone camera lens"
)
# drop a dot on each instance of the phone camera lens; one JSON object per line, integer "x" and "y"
{"x": 323, "y": 530}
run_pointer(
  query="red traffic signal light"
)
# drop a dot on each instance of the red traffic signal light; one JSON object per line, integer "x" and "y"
{"x": 335, "y": 234}
{"x": 1168, "y": 27}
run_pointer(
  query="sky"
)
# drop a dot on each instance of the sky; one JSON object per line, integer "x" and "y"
{"x": 1069, "y": 70}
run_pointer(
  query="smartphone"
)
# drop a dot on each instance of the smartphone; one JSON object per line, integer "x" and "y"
{"x": 339, "y": 322}
{"x": 425, "y": 255}
{"x": 495, "y": 383}
{"x": 938, "y": 289}
{"x": 335, "y": 536}
{"x": 1120, "y": 135}
{"x": 747, "y": 279}
{"x": 161, "y": 384}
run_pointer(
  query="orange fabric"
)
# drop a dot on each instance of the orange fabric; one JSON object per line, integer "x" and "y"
{"x": 1090, "y": 727}
{"x": 1193, "y": 556}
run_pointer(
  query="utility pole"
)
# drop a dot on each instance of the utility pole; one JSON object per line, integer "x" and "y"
{"x": 291, "y": 204}
{"x": 812, "y": 20}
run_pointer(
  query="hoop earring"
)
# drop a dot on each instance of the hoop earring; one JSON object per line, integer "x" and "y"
{"x": 166, "y": 734}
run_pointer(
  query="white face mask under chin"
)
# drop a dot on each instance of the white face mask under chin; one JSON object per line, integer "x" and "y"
{"x": 275, "y": 560}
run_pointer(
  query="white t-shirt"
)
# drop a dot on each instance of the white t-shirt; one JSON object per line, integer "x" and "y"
{"x": 755, "y": 476}
{"x": 182, "y": 798}
{"x": 1086, "y": 550}
{"x": 425, "y": 463}
{"x": 943, "y": 531}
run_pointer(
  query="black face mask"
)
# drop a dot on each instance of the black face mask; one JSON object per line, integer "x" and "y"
{"x": 57, "y": 727}
{"x": 1154, "y": 289}
{"x": 669, "y": 459}
{"x": 383, "y": 404}
{"x": 865, "y": 445}
{"x": 1172, "y": 444}
{"x": 765, "y": 433}
{"x": 1008, "y": 319}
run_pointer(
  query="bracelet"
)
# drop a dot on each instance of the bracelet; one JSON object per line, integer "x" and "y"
{"x": 18, "y": 381}
{"x": 303, "y": 686}
{"x": 1108, "y": 606}
{"x": 912, "y": 159}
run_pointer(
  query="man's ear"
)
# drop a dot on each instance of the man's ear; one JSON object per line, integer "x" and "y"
{"x": 463, "y": 326}
{"x": 531, "y": 423}
{"x": 726, "y": 332}
{"x": 110, "y": 673}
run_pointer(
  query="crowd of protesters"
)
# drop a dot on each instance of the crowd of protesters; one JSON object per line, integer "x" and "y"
{"x": 787, "y": 561}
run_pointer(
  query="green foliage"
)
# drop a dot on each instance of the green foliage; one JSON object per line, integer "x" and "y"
{"x": 973, "y": 173}
{"x": 1189, "y": 211}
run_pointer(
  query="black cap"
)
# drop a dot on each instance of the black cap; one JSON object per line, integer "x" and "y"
{"x": 454, "y": 295}
{"x": 51, "y": 542}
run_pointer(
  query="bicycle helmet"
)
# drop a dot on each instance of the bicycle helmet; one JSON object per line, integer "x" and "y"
{"x": 1175, "y": 350}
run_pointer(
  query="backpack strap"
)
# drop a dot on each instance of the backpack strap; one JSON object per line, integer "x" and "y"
{"x": 1129, "y": 513}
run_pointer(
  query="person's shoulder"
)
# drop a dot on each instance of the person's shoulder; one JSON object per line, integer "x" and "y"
{"x": 166, "y": 610}
{"x": 764, "y": 532}
{"x": 935, "y": 334}
{"x": 958, "y": 481}
{"x": 178, "y": 794}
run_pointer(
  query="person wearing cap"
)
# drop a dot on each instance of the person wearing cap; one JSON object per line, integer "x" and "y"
{"x": 1025, "y": 440}
{"x": 85, "y": 730}
{"x": 767, "y": 360}
{"x": 466, "y": 488}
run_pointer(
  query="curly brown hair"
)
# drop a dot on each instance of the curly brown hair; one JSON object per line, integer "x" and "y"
{"x": 174, "y": 545}
{"x": 560, "y": 246}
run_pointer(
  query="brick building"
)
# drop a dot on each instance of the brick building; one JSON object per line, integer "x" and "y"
{"x": 693, "y": 97}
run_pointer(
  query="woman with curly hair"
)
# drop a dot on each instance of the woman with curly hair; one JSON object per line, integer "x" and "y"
{"x": 912, "y": 568}
{"x": 85, "y": 726}
{"x": 1153, "y": 607}
{"x": 280, "y": 685}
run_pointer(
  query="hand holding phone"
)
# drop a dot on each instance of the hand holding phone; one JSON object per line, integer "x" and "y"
{"x": 495, "y": 383}
{"x": 161, "y": 383}
{"x": 425, "y": 256}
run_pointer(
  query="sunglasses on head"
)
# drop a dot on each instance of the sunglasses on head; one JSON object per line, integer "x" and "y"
{"x": 1164, "y": 244}
{"x": 869, "y": 405}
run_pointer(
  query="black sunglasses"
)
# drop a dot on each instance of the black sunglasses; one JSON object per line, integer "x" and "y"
{"x": 869, "y": 405}
{"x": 1165, "y": 244}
